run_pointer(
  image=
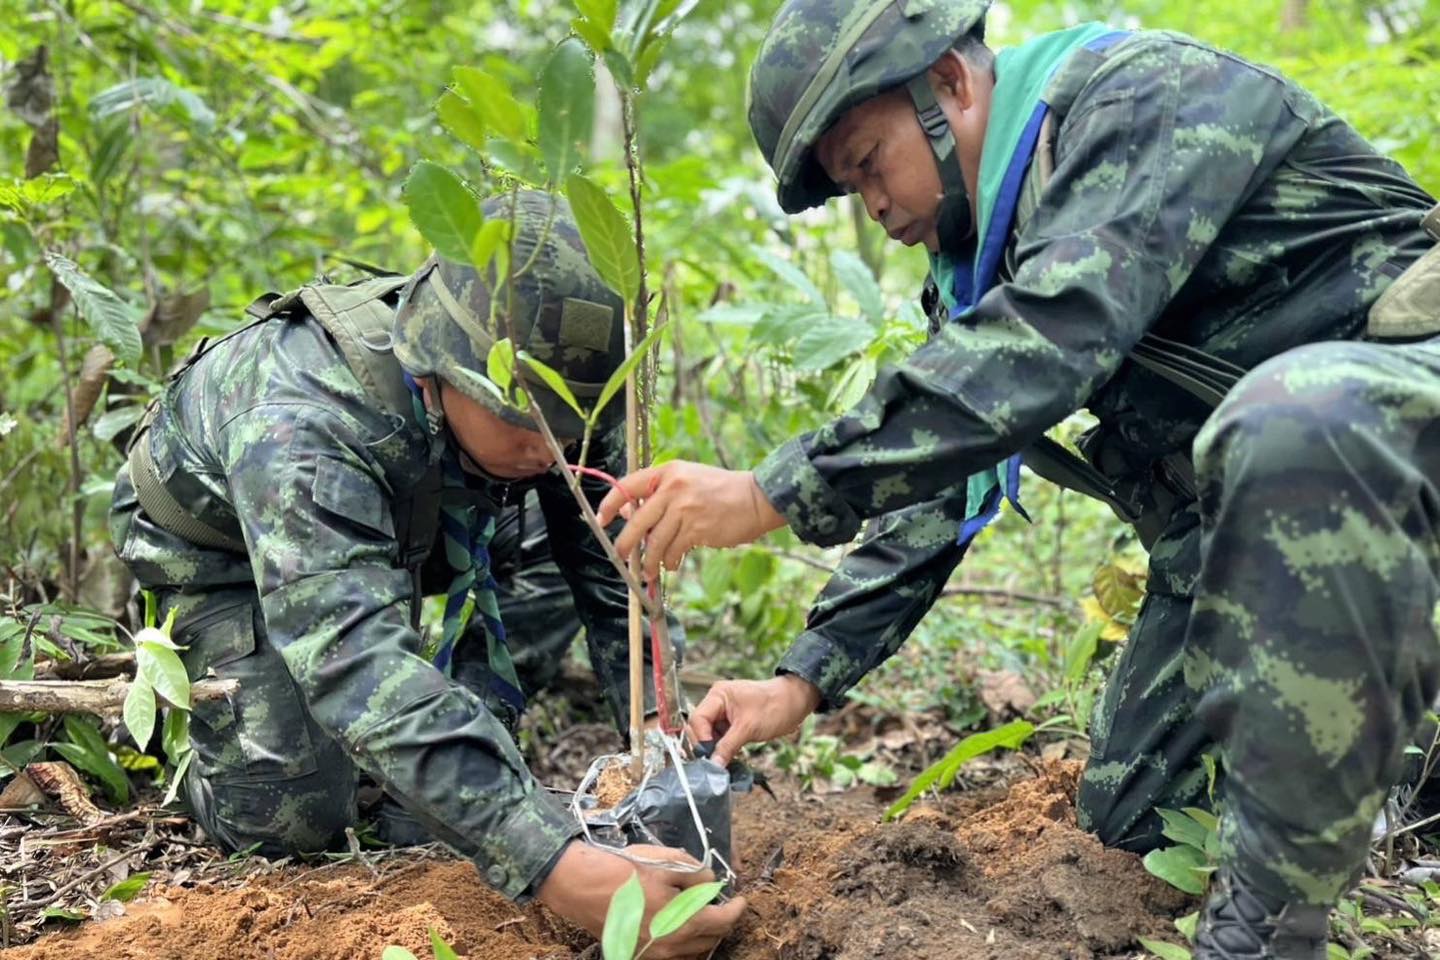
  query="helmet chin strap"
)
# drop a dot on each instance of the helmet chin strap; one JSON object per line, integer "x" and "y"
{"x": 954, "y": 224}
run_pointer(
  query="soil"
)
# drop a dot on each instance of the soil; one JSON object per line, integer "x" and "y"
{"x": 985, "y": 875}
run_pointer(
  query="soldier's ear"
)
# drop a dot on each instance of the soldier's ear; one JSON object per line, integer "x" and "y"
{"x": 951, "y": 76}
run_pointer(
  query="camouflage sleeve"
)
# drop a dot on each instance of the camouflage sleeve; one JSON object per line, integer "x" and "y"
{"x": 315, "y": 509}
{"x": 878, "y": 594}
{"x": 601, "y": 599}
{"x": 1159, "y": 149}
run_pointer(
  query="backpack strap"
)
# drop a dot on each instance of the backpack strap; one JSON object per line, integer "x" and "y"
{"x": 360, "y": 321}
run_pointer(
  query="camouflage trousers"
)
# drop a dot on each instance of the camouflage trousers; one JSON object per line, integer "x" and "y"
{"x": 1305, "y": 658}
{"x": 265, "y": 777}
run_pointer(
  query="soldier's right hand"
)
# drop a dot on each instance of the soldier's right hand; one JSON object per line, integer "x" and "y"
{"x": 585, "y": 878}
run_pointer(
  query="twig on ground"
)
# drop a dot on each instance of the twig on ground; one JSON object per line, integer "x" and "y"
{"x": 99, "y": 697}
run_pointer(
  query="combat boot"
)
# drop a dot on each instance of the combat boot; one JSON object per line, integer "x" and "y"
{"x": 1240, "y": 923}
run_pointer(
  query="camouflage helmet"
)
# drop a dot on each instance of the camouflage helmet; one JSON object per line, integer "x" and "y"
{"x": 820, "y": 58}
{"x": 562, "y": 314}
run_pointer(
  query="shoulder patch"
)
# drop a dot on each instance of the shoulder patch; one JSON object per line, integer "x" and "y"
{"x": 584, "y": 323}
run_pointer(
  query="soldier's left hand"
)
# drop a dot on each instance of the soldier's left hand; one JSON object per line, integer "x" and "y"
{"x": 685, "y": 505}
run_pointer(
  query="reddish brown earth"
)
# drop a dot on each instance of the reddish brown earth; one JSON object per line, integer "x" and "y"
{"x": 989, "y": 875}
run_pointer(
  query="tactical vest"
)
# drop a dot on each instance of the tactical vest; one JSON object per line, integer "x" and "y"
{"x": 359, "y": 318}
{"x": 1408, "y": 309}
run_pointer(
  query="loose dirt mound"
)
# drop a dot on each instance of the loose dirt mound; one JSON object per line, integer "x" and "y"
{"x": 1000, "y": 875}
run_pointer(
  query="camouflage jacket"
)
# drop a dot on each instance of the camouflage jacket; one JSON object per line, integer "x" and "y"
{"x": 1195, "y": 195}
{"x": 270, "y": 434}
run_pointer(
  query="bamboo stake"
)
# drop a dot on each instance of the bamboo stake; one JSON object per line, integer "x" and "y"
{"x": 637, "y": 633}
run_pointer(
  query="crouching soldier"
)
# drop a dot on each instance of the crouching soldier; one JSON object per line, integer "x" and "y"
{"x": 1246, "y": 296}
{"x": 300, "y": 487}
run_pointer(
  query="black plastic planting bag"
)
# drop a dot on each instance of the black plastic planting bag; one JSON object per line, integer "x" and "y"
{"x": 661, "y": 809}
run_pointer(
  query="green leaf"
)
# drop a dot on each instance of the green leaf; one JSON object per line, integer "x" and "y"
{"x": 733, "y": 314}
{"x": 88, "y": 751}
{"x": 608, "y": 238}
{"x": 1163, "y": 950}
{"x": 599, "y": 12}
{"x": 443, "y": 209}
{"x": 493, "y": 238}
{"x": 1081, "y": 651}
{"x": 754, "y": 570}
{"x": 829, "y": 340}
{"x": 481, "y": 382}
{"x": 139, "y": 711}
{"x": 858, "y": 279}
{"x": 598, "y": 39}
{"x": 60, "y": 913}
{"x": 461, "y": 119}
{"x": 554, "y": 381}
{"x": 439, "y": 948}
{"x": 1182, "y": 867}
{"x": 617, "y": 379}
{"x": 113, "y": 320}
{"x": 1182, "y": 828}
{"x": 162, "y": 667}
{"x": 396, "y": 953}
{"x": 942, "y": 773}
{"x": 790, "y": 273}
{"x": 127, "y": 889}
{"x": 567, "y": 108}
{"x": 175, "y": 736}
{"x": 877, "y": 775}
{"x": 686, "y": 904}
{"x": 622, "y": 921}
{"x": 177, "y": 780}
{"x": 1205, "y": 818}
{"x": 500, "y": 364}
{"x": 852, "y": 384}
{"x": 1187, "y": 924}
{"x": 493, "y": 103}
{"x": 155, "y": 92}
{"x": 109, "y": 425}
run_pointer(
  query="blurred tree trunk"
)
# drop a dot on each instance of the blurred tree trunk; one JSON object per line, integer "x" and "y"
{"x": 1293, "y": 15}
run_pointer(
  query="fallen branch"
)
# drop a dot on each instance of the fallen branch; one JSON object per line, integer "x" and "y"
{"x": 90, "y": 696}
{"x": 95, "y": 668}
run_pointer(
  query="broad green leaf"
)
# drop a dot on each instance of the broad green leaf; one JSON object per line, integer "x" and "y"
{"x": 619, "y": 66}
{"x": 461, "y": 119}
{"x": 443, "y": 209}
{"x": 88, "y": 751}
{"x": 175, "y": 735}
{"x": 127, "y": 889}
{"x": 554, "y": 381}
{"x": 1182, "y": 867}
{"x": 483, "y": 383}
{"x": 852, "y": 384}
{"x": 1182, "y": 828}
{"x": 1163, "y": 950}
{"x": 598, "y": 39}
{"x": 439, "y": 948}
{"x": 599, "y": 12}
{"x": 1206, "y": 819}
{"x": 500, "y": 364}
{"x": 113, "y": 320}
{"x": 829, "y": 340}
{"x": 567, "y": 108}
{"x": 139, "y": 711}
{"x": 177, "y": 780}
{"x": 942, "y": 773}
{"x": 23, "y": 196}
{"x": 1187, "y": 924}
{"x": 617, "y": 379}
{"x": 155, "y": 92}
{"x": 493, "y": 238}
{"x": 649, "y": 58}
{"x": 162, "y": 667}
{"x": 622, "y": 921}
{"x": 1081, "y": 651}
{"x": 109, "y": 425}
{"x": 396, "y": 953}
{"x": 733, "y": 314}
{"x": 858, "y": 279}
{"x": 493, "y": 103}
{"x": 784, "y": 322}
{"x": 686, "y": 904}
{"x": 608, "y": 238}
{"x": 60, "y": 913}
{"x": 12, "y": 645}
{"x": 754, "y": 570}
{"x": 877, "y": 775}
{"x": 790, "y": 273}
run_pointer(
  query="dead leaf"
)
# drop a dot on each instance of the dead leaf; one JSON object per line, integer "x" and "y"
{"x": 31, "y": 90}
{"x": 1054, "y": 751}
{"x": 172, "y": 316}
{"x": 20, "y": 793}
{"x": 44, "y": 150}
{"x": 59, "y": 780}
{"x": 94, "y": 371}
{"x": 1005, "y": 692}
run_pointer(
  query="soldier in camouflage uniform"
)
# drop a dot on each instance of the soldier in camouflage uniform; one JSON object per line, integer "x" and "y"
{"x": 299, "y": 488}
{"x": 1208, "y": 230}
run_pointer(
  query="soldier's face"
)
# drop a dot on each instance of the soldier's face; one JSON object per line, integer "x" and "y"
{"x": 496, "y": 447}
{"x": 878, "y": 150}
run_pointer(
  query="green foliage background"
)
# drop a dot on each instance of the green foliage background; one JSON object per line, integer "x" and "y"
{"x": 232, "y": 148}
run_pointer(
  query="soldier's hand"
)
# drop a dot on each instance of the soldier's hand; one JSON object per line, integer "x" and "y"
{"x": 585, "y": 878}
{"x": 685, "y": 505}
{"x": 750, "y": 711}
